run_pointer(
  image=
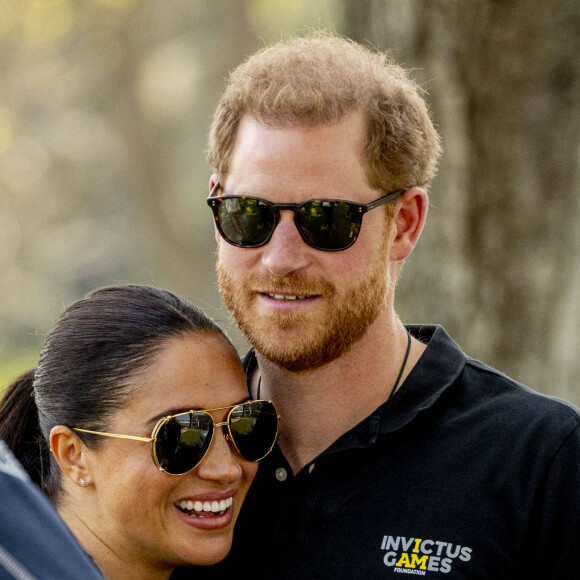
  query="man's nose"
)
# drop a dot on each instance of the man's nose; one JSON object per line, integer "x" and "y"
{"x": 286, "y": 252}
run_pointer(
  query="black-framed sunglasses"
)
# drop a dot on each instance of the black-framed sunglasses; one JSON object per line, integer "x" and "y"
{"x": 180, "y": 442}
{"x": 331, "y": 225}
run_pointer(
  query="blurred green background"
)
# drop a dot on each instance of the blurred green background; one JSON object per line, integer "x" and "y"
{"x": 104, "y": 111}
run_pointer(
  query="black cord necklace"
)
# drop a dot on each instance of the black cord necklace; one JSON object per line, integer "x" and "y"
{"x": 258, "y": 390}
{"x": 402, "y": 367}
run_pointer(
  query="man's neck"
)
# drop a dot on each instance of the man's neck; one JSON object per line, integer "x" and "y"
{"x": 318, "y": 406}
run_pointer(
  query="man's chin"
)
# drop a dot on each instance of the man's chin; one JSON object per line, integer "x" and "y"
{"x": 282, "y": 344}
{"x": 294, "y": 352}
{"x": 293, "y": 363}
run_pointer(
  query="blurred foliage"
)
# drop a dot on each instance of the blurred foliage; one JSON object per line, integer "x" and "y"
{"x": 104, "y": 111}
{"x": 272, "y": 19}
{"x": 13, "y": 367}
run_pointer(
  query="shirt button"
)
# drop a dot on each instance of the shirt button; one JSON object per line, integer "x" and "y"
{"x": 281, "y": 474}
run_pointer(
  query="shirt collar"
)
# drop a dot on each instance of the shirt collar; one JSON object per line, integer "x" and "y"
{"x": 435, "y": 372}
{"x": 437, "y": 369}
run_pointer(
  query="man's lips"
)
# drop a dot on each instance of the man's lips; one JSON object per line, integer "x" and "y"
{"x": 276, "y": 296}
{"x": 285, "y": 304}
{"x": 291, "y": 294}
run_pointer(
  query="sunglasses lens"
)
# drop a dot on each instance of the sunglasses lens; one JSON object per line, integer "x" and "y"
{"x": 245, "y": 222}
{"x": 183, "y": 441}
{"x": 329, "y": 225}
{"x": 253, "y": 427}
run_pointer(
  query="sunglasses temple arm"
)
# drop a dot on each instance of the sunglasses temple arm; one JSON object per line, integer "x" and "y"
{"x": 386, "y": 199}
{"x": 116, "y": 436}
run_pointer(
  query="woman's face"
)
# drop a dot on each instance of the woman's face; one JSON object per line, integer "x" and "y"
{"x": 131, "y": 506}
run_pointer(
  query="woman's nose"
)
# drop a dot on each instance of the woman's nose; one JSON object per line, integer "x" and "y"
{"x": 221, "y": 462}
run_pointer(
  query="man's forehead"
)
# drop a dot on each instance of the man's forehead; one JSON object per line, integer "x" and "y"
{"x": 293, "y": 152}
{"x": 255, "y": 137}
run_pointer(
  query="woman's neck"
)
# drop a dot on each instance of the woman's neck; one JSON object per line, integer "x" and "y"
{"x": 114, "y": 562}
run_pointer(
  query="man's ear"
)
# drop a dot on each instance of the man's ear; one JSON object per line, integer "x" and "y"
{"x": 409, "y": 220}
{"x": 212, "y": 181}
{"x": 70, "y": 454}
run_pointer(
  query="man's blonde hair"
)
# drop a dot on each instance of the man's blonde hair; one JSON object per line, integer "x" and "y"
{"x": 320, "y": 80}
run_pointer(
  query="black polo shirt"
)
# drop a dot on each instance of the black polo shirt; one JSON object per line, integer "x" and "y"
{"x": 463, "y": 474}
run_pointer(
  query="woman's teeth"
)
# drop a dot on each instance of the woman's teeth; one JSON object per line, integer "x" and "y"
{"x": 202, "y": 509}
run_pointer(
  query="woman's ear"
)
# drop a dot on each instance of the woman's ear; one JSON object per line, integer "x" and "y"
{"x": 409, "y": 220}
{"x": 70, "y": 454}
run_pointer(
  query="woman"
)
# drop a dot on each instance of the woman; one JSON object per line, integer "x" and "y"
{"x": 105, "y": 426}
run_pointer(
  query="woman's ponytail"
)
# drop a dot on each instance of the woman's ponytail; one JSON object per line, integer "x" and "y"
{"x": 20, "y": 428}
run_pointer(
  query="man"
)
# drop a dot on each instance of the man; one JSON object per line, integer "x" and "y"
{"x": 397, "y": 454}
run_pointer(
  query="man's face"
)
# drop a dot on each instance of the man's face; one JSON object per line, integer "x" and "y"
{"x": 298, "y": 306}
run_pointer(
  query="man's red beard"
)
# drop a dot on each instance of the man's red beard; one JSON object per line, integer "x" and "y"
{"x": 299, "y": 342}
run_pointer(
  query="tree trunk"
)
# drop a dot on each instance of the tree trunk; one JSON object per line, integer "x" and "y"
{"x": 502, "y": 240}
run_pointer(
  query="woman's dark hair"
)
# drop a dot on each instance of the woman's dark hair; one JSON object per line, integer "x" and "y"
{"x": 97, "y": 346}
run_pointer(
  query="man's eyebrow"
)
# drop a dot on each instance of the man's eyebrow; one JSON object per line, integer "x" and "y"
{"x": 182, "y": 410}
